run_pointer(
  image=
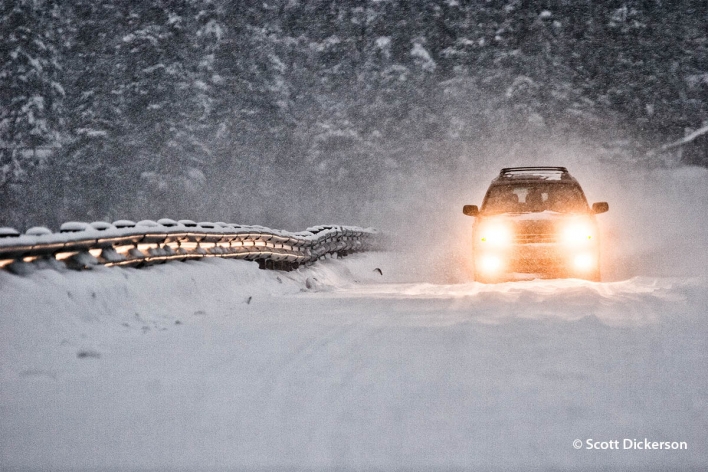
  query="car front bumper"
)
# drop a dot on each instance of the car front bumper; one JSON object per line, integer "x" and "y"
{"x": 543, "y": 259}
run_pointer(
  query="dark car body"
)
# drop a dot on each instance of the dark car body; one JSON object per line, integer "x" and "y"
{"x": 535, "y": 222}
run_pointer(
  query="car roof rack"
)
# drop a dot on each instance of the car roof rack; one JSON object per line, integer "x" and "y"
{"x": 535, "y": 172}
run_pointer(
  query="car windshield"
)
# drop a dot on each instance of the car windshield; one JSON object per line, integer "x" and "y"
{"x": 521, "y": 198}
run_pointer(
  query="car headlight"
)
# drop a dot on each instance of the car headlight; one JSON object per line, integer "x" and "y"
{"x": 584, "y": 262}
{"x": 490, "y": 264}
{"x": 578, "y": 232}
{"x": 495, "y": 234}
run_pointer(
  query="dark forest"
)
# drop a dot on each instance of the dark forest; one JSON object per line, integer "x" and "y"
{"x": 266, "y": 112}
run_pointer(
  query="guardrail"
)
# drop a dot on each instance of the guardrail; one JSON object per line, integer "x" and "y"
{"x": 144, "y": 245}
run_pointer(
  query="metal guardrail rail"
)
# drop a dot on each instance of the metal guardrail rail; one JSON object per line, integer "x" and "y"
{"x": 145, "y": 245}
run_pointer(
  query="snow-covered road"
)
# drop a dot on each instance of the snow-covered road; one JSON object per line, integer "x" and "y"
{"x": 215, "y": 364}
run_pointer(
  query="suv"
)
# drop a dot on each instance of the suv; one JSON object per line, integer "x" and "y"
{"x": 535, "y": 222}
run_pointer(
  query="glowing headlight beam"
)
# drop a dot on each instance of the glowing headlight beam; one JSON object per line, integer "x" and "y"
{"x": 490, "y": 264}
{"x": 584, "y": 262}
{"x": 577, "y": 233}
{"x": 496, "y": 234}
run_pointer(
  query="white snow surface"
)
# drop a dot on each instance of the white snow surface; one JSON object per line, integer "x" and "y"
{"x": 214, "y": 364}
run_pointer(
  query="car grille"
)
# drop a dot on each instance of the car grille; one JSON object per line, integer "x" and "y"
{"x": 535, "y": 238}
{"x": 535, "y": 231}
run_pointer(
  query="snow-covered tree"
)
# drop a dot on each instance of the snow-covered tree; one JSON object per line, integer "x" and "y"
{"x": 31, "y": 92}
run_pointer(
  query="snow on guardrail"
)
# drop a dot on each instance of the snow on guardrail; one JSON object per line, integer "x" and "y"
{"x": 82, "y": 246}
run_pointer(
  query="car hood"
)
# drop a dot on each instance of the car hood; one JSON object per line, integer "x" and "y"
{"x": 542, "y": 222}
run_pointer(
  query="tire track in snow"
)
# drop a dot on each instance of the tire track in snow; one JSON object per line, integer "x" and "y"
{"x": 279, "y": 378}
{"x": 296, "y": 394}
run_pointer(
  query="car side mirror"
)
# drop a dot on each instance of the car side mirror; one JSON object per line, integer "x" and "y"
{"x": 472, "y": 210}
{"x": 600, "y": 207}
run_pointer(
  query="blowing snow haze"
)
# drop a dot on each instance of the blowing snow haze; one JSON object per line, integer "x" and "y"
{"x": 290, "y": 113}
